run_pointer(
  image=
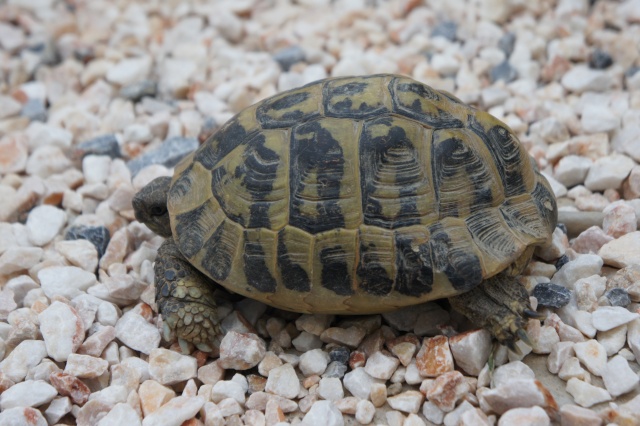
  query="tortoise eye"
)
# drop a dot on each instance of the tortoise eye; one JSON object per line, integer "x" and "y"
{"x": 158, "y": 210}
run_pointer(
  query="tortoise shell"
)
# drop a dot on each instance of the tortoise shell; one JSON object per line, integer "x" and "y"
{"x": 359, "y": 195}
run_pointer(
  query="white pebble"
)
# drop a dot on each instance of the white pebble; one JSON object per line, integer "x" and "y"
{"x": 381, "y": 366}
{"x": 608, "y": 172}
{"x": 283, "y": 381}
{"x": 121, "y": 414}
{"x": 618, "y": 377}
{"x": 407, "y": 402}
{"x": 23, "y": 358}
{"x": 358, "y": 382}
{"x": 534, "y": 416}
{"x": 313, "y": 362}
{"x": 581, "y": 79}
{"x": 169, "y": 367}
{"x": 240, "y": 351}
{"x": 323, "y": 413}
{"x": 572, "y": 170}
{"x": 471, "y": 350}
{"x": 365, "y": 412}
{"x": 62, "y": 330}
{"x": 85, "y": 366}
{"x": 599, "y": 119}
{"x": 175, "y": 412}
{"x": 32, "y": 393}
{"x": 19, "y": 416}
{"x": 227, "y": 389}
{"x": 44, "y": 223}
{"x": 66, "y": 281}
{"x": 608, "y": 317}
{"x": 330, "y": 388}
{"x": 592, "y": 354}
{"x": 585, "y": 394}
{"x": 136, "y": 332}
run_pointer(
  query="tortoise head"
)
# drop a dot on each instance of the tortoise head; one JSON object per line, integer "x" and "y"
{"x": 150, "y": 206}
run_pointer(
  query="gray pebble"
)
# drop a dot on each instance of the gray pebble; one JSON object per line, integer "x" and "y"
{"x": 288, "y": 56}
{"x": 102, "y": 145}
{"x": 168, "y": 154}
{"x": 553, "y": 295}
{"x": 335, "y": 369}
{"x": 618, "y": 297}
{"x": 506, "y": 43}
{"x": 137, "y": 91}
{"x": 447, "y": 29}
{"x": 34, "y": 110}
{"x": 340, "y": 354}
{"x": 562, "y": 260}
{"x": 97, "y": 235}
{"x": 503, "y": 71}
{"x": 600, "y": 60}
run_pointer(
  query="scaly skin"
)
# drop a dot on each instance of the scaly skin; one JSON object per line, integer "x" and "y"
{"x": 185, "y": 299}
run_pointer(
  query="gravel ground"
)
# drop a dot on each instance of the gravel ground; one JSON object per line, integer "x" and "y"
{"x": 99, "y": 97}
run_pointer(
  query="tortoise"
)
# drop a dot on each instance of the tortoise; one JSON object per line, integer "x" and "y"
{"x": 351, "y": 195}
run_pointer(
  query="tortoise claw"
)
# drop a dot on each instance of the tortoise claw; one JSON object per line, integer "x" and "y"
{"x": 522, "y": 335}
{"x": 531, "y": 314}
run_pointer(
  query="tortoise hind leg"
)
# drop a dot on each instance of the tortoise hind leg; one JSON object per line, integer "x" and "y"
{"x": 501, "y": 305}
{"x": 185, "y": 299}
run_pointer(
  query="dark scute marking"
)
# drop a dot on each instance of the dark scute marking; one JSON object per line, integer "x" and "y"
{"x": 218, "y": 188}
{"x": 182, "y": 185}
{"x": 414, "y": 276}
{"x": 505, "y": 152}
{"x": 440, "y": 120}
{"x": 218, "y": 259}
{"x": 269, "y": 117}
{"x": 322, "y": 154}
{"x": 335, "y": 272}
{"x": 288, "y": 101}
{"x": 293, "y": 276}
{"x": 375, "y": 279}
{"x": 449, "y": 156}
{"x": 393, "y": 150}
{"x": 419, "y": 89}
{"x": 221, "y": 144}
{"x": 189, "y": 233}
{"x": 255, "y": 267}
{"x": 349, "y": 88}
{"x": 461, "y": 266}
{"x": 258, "y": 172}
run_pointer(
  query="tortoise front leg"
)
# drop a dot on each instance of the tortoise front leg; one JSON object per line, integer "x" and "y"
{"x": 501, "y": 305}
{"x": 185, "y": 299}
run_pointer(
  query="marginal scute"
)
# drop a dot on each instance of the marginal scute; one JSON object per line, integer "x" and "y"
{"x": 334, "y": 257}
{"x": 232, "y": 135}
{"x": 357, "y": 97}
{"x": 426, "y": 105}
{"x": 414, "y": 266}
{"x": 259, "y": 259}
{"x": 376, "y": 265}
{"x": 523, "y": 218}
{"x": 216, "y": 259}
{"x": 294, "y": 258}
{"x": 289, "y": 108}
{"x": 454, "y": 253}
{"x": 495, "y": 239}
